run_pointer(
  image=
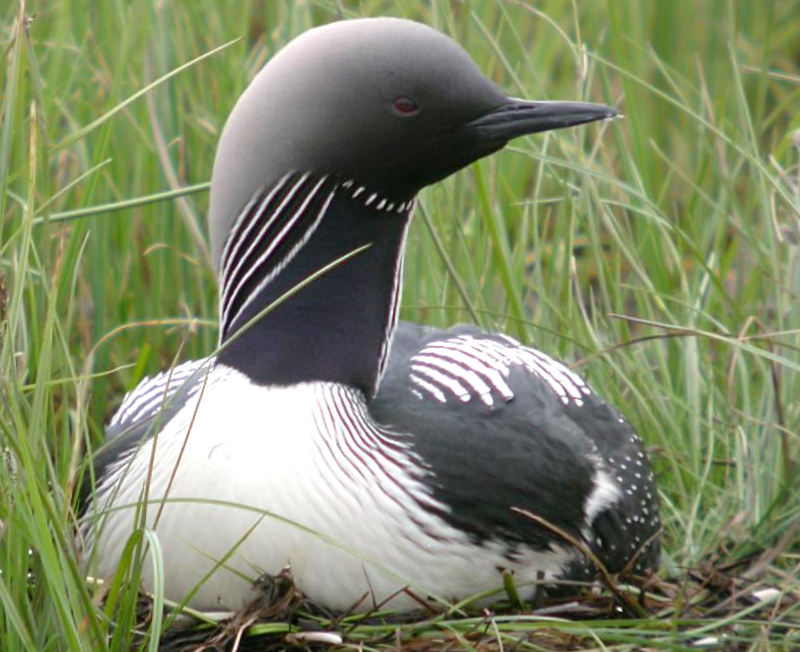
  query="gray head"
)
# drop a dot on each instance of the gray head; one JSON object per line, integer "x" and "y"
{"x": 391, "y": 104}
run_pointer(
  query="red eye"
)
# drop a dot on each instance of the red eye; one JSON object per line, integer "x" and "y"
{"x": 404, "y": 107}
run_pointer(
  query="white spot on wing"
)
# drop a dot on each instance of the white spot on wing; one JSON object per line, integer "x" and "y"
{"x": 605, "y": 493}
{"x": 443, "y": 380}
{"x": 430, "y": 388}
{"x": 457, "y": 369}
{"x": 477, "y": 367}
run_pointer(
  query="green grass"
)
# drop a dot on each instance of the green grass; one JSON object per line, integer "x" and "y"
{"x": 658, "y": 253}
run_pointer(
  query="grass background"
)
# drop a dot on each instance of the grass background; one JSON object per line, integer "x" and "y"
{"x": 658, "y": 254}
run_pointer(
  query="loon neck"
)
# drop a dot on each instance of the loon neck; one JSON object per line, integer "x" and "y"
{"x": 339, "y": 327}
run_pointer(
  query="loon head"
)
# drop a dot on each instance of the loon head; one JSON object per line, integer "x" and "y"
{"x": 389, "y": 104}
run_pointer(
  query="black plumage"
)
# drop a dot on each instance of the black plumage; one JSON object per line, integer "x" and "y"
{"x": 372, "y": 457}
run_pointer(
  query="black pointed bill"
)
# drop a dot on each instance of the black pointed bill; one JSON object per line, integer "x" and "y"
{"x": 521, "y": 117}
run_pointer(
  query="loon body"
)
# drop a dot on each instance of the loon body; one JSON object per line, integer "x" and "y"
{"x": 384, "y": 463}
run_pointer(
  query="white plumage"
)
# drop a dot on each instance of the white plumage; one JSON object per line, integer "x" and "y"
{"x": 293, "y": 490}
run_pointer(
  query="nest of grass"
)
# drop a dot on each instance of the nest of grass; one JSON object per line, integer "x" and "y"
{"x": 715, "y": 607}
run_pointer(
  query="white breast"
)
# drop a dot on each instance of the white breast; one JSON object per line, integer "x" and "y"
{"x": 267, "y": 477}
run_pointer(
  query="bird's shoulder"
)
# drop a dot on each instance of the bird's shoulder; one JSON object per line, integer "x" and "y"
{"x": 162, "y": 395}
{"x": 465, "y": 367}
{"x": 490, "y": 418}
{"x": 501, "y": 426}
{"x": 144, "y": 410}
